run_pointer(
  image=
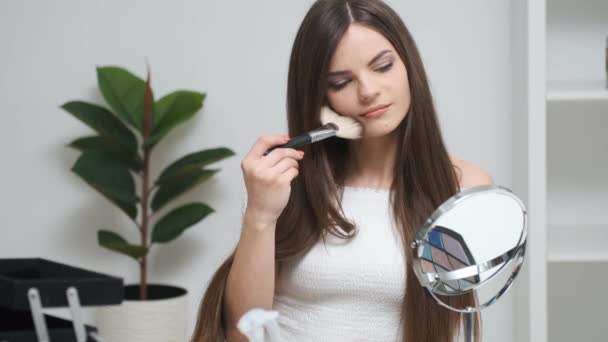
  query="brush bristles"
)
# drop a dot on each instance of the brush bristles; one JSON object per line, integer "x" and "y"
{"x": 348, "y": 128}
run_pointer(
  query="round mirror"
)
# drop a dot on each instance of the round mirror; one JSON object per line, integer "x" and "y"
{"x": 475, "y": 241}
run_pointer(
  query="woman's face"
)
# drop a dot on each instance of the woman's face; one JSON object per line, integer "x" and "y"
{"x": 365, "y": 73}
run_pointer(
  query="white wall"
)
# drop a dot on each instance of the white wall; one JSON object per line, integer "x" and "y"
{"x": 238, "y": 53}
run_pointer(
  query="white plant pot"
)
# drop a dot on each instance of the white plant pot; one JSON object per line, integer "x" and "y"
{"x": 157, "y": 319}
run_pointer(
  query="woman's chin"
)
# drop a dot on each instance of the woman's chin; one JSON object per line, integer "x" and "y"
{"x": 378, "y": 131}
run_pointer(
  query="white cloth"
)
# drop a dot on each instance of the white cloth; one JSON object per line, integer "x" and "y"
{"x": 347, "y": 290}
{"x": 260, "y": 325}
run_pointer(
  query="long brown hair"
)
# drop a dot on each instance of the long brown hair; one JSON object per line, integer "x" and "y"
{"x": 424, "y": 176}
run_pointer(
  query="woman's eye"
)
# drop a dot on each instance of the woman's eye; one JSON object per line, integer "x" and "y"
{"x": 385, "y": 68}
{"x": 339, "y": 85}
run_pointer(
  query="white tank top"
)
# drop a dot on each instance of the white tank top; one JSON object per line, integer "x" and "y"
{"x": 347, "y": 290}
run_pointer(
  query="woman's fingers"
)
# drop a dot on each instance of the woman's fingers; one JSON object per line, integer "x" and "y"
{"x": 268, "y": 178}
{"x": 284, "y": 165}
{"x": 263, "y": 143}
{"x": 279, "y": 154}
{"x": 289, "y": 175}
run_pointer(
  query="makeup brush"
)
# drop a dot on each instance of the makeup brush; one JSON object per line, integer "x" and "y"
{"x": 334, "y": 125}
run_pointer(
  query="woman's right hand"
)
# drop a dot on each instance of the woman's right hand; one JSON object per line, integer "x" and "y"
{"x": 268, "y": 178}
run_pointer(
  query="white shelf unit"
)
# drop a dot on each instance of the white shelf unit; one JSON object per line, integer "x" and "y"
{"x": 576, "y": 114}
{"x": 577, "y": 91}
{"x": 560, "y": 166}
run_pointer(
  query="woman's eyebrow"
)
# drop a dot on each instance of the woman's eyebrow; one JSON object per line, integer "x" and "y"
{"x": 346, "y": 72}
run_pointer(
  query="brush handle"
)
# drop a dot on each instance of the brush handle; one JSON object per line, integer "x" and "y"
{"x": 295, "y": 142}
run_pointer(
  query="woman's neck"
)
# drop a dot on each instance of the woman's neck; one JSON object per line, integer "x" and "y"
{"x": 371, "y": 162}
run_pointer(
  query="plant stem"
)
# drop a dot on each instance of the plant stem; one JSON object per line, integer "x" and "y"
{"x": 143, "y": 266}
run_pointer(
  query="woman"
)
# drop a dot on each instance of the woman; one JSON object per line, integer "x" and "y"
{"x": 326, "y": 232}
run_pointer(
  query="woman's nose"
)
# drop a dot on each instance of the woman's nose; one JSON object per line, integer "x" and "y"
{"x": 368, "y": 90}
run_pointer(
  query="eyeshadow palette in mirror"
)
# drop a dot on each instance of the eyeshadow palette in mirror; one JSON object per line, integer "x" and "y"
{"x": 446, "y": 251}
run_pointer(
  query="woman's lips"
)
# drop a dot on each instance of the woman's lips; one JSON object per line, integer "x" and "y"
{"x": 376, "y": 112}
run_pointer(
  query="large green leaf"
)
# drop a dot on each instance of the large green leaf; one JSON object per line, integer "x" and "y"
{"x": 117, "y": 243}
{"x": 103, "y": 122}
{"x": 196, "y": 160}
{"x": 177, "y": 221}
{"x": 101, "y": 144}
{"x": 110, "y": 177}
{"x": 178, "y": 185}
{"x": 172, "y": 110}
{"x": 124, "y": 92}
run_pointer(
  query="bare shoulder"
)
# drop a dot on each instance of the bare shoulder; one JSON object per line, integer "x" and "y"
{"x": 470, "y": 174}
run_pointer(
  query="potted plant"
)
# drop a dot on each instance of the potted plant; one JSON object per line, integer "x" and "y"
{"x": 116, "y": 162}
